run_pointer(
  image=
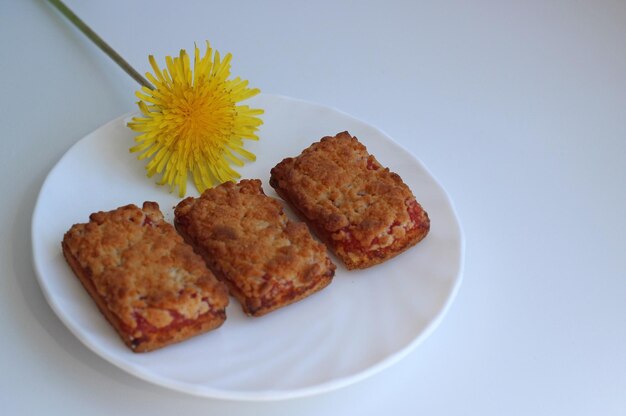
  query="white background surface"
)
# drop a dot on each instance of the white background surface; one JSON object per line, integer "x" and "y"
{"x": 518, "y": 108}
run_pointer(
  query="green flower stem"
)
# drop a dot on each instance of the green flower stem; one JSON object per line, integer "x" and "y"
{"x": 93, "y": 36}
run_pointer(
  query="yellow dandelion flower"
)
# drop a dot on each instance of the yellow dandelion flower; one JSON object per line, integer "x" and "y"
{"x": 190, "y": 121}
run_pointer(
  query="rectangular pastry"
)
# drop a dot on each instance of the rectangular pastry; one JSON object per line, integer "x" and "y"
{"x": 148, "y": 283}
{"x": 266, "y": 260}
{"x": 365, "y": 213}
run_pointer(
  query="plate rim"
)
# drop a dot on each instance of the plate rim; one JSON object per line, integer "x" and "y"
{"x": 269, "y": 394}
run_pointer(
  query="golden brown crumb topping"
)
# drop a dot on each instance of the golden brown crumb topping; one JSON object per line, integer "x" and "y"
{"x": 338, "y": 185}
{"x": 143, "y": 269}
{"x": 248, "y": 240}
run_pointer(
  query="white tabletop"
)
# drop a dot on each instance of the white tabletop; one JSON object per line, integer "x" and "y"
{"x": 518, "y": 109}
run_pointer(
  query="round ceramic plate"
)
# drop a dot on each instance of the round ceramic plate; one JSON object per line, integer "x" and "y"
{"x": 363, "y": 322}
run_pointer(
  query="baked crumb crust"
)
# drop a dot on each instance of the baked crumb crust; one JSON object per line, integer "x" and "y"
{"x": 266, "y": 260}
{"x": 149, "y": 284}
{"x": 364, "y": 212}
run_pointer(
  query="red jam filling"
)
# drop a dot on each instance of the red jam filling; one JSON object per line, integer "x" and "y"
{"x": 351, "y": 245}
{"x": 146, "y": 328}
{"x": 415, "y": 212}
{"x": 372, "y": 165}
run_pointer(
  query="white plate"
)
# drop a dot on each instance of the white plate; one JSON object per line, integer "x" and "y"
{"x": 363, "y": 322}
